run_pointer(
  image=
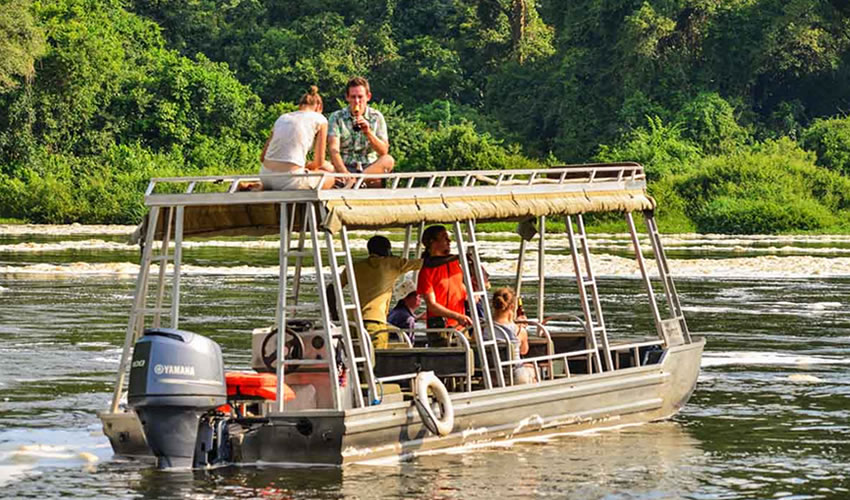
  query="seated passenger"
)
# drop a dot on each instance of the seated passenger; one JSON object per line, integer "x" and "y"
{"x": 357, "y": 134}
{"x": 403, "y": 315}
{"x": 441, "y": 284}
{"x": 504, "y": 307}
{"x": 291, "y": 139}
{"x": 376, "y": 276}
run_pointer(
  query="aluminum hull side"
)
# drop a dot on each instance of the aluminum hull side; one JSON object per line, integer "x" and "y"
{"x": 622, "y": 397}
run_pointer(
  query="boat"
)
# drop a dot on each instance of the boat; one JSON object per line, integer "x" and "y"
{"x": 321, "y": 395}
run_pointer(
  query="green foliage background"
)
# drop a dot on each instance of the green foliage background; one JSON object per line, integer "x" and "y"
{"x": 736, "y": 108}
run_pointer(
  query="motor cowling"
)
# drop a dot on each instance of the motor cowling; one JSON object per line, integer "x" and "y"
{"x": 175, "y": 377}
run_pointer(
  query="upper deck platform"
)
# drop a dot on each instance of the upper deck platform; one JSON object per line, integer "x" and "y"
{"x": 216, "y": 206}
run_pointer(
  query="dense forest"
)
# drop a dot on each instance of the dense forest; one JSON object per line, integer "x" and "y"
{"x": 737, "y": 108}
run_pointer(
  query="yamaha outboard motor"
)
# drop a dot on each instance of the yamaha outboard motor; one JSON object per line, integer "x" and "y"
{"x": 176, "y": 376}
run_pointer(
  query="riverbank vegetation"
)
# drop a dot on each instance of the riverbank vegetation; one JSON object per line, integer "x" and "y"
{"x": 737, "y": 109}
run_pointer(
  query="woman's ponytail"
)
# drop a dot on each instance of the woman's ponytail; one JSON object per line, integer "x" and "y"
{"x": 311, "y": 98}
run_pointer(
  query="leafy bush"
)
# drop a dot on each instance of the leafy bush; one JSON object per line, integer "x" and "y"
{"x": 658, "y": 147}
{"x": 830, "y": 140}
{"x": 671, "y": 213}
{"x": 737, "y": 215}
{"x": 460, "y": 147}
{"x": 63, "y": 188}
{"x": 772, "y": 187}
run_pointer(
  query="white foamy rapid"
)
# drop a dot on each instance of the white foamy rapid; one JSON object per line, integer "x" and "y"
{"x": 93, "y": 245}
{"x": 767, "y": 256}
{"x": 24, "y": 452}
{"x": 710, "y": 359}
{"x": 63, "y": 229}
{"x": 556, "y": 266}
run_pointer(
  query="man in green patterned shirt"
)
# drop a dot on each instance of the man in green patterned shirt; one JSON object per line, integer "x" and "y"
{"x": 357, "y": 134}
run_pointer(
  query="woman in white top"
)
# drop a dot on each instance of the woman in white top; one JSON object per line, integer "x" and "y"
{"x": 291, "y": 139}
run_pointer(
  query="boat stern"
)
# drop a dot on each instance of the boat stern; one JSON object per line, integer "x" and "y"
{"x": 682, "y": 363}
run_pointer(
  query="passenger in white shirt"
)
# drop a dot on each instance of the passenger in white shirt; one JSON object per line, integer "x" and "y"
{"x": 291, "y": 139}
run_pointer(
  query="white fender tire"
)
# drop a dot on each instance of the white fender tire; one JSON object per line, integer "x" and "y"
{"x": 441, "y": 426}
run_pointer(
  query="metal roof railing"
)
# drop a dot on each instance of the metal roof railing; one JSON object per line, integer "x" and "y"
{"x": 227, "y": 189}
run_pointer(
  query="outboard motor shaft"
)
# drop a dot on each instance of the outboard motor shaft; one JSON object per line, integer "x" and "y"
{"x": 176, "y": 376}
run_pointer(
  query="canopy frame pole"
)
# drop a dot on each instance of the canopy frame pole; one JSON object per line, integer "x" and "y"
{"x": 519, "y": 269}
{"x": 299, "y": 260}
{"x": 647, "y": 282}
{"x": 163, "y": 264}
{"x": 471, "y": 295}
{"x": 408, "y": 230}
{"x": 541, "y": 268}
{"x": 587, "y": 306}
{"x": 667, "y": 282}
{"x": 178, "y": 260}
{"x": 280, "y": 309}
{"x": 137, "y": 313}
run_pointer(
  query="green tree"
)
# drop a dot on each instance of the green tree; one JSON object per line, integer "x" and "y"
{"x": 109, "y": 99}
{"x": 92, "y": 49}
{"x": 709, "y": 121}
{"x": 830, "y": 141}
{"x": 21, "y": 42}
{"x": 320, "y": 50}
{"x": 176, "y": 101}
{"x": 423, "y": 71}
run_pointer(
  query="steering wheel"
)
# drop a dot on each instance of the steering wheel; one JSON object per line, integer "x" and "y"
{"x": 294, "y": 349}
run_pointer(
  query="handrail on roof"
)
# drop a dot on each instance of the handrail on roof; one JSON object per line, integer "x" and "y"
{"x": 566, "y": 174}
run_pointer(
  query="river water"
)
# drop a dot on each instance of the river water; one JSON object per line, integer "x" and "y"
{"x": 770, "y": 417}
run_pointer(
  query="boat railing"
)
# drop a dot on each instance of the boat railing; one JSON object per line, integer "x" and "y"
{"x": 635, "y": 348}
{"x": 537, "y": 360}
{"x": 462, "y": 340}
{"x": 551, "y": 355}
{"x": 589, "y": 174}
{"x": 561, "y": 316}
{"x": 544, "y": 332}
{"x": 402, "y": 334}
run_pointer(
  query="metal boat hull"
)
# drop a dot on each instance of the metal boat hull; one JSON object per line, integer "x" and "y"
{"x": 621, "y": 397}
{"x": 610, "y": 399}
